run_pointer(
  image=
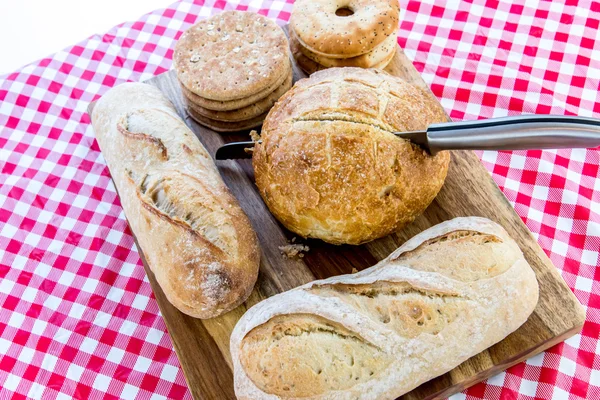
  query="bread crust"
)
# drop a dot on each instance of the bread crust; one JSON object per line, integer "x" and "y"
{"x": 329, "y": 166}
{"x": 224, "y": 126}
{"x": 245, "y": 113}
{"x": 306, "y": 64}
{"x": 380, "y": 53}
{"x": 321, "y": 31}
{"x": 231, "y": 56}
{"x": 196, "y": 239}
{"x": 381, "y": 332}
{"x": 230, "y": 105}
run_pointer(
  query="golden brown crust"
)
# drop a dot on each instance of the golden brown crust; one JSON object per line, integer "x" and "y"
{"x": 378, "y": 55}
{"x": 445, "y": 295}
{"x": 196, "y": 239}
{"x": 239, "y": 103}
{"x": 306, "y": 64}
{"x": 245, "y": 113}
{"x": 386, "y": 61}
{"x": 321, "y": 31}
{"x": 269, "y": 350}
{"x": 329, "y": 166}
{"x": 310, "y": 66}
{"x": 224, "y": 126}
{"x": 231, "y": 55}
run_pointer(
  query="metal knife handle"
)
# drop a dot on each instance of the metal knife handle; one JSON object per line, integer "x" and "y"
{"x": 515, "y": 133}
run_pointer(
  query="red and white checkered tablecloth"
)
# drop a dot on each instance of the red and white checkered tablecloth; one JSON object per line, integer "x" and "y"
{"x": 78, "y": 318}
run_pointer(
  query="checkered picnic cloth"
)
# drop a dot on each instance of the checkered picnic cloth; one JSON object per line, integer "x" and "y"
{"x": 78, "y": 318}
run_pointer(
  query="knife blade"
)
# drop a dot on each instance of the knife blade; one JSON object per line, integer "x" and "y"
{"x": 520, "y": 132}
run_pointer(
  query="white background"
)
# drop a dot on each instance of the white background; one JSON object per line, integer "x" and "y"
{"x": 34, "y": 29}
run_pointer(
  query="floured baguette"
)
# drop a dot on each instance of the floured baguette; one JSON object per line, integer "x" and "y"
{"x": 196, "y": 238}
{"x": 444, "y": 296}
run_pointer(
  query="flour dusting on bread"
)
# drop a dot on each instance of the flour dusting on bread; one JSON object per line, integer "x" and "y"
{"x": 380, "y": 332}
{"x": 194, "y": 236}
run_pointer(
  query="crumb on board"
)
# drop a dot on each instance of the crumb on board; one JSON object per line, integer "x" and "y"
{"x": 254, "y": 136}
{"x": 249, "y": 150}
{"x": 354, "y": 270}
{"x": 293, "y": 250}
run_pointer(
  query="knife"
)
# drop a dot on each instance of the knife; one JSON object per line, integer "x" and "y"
{"x": 522, "y": 132}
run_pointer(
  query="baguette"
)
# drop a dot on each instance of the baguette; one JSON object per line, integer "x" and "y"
{"x": 444, "y": 296}
{"x": 196, "y": 239}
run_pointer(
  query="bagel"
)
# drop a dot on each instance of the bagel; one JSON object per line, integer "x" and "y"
{"x": 386, "y": 61}
{"x": 306, "y": 64}
{"x": 323, "y": 32}
{"x": 378, "y": 55}
{"x": 310, "y": 66}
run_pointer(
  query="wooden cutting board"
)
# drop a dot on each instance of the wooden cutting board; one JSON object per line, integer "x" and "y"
{"x": 203, "y": 346}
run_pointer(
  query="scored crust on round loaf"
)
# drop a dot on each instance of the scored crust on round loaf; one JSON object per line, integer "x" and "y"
{"x": 329, "y": 165}
{"x": 217, "y": 105}
{"x": 245, "y": 113}
{"x": 231, "y": 56}
{"x": 223, "y": 126}
{"x": 321, "y": 31}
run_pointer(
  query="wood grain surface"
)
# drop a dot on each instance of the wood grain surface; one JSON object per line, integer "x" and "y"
{"x": 203, "y": 346}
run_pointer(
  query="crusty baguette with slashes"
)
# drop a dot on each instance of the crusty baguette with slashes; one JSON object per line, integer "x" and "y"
{"x": 196, "y": 238}
{"x": 444, "y": 296}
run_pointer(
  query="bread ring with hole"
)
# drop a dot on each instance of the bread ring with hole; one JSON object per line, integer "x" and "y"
{"x": 324, "y": 32}
{"x": 310, "y": 66}
{"x": 378, "y": 55}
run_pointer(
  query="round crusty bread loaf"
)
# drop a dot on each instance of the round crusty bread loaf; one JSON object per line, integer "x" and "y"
{"x": 231, "y": 56}
{"x": 323, "y": 32}
{"x": 329, "y": 166}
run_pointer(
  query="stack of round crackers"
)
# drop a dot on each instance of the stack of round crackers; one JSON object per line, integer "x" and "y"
{"x": 232, "y": 68}
{"x": 344, "y": 33}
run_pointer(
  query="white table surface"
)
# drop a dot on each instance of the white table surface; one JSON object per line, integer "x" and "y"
{"x": 33, "y": 29}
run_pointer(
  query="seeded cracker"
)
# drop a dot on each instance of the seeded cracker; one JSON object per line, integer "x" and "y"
{"x": 230, "y": 105}
{"x": 231, "y": 56}
{"x": 223, "y": 126}
{"x": 245, "y": 113}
